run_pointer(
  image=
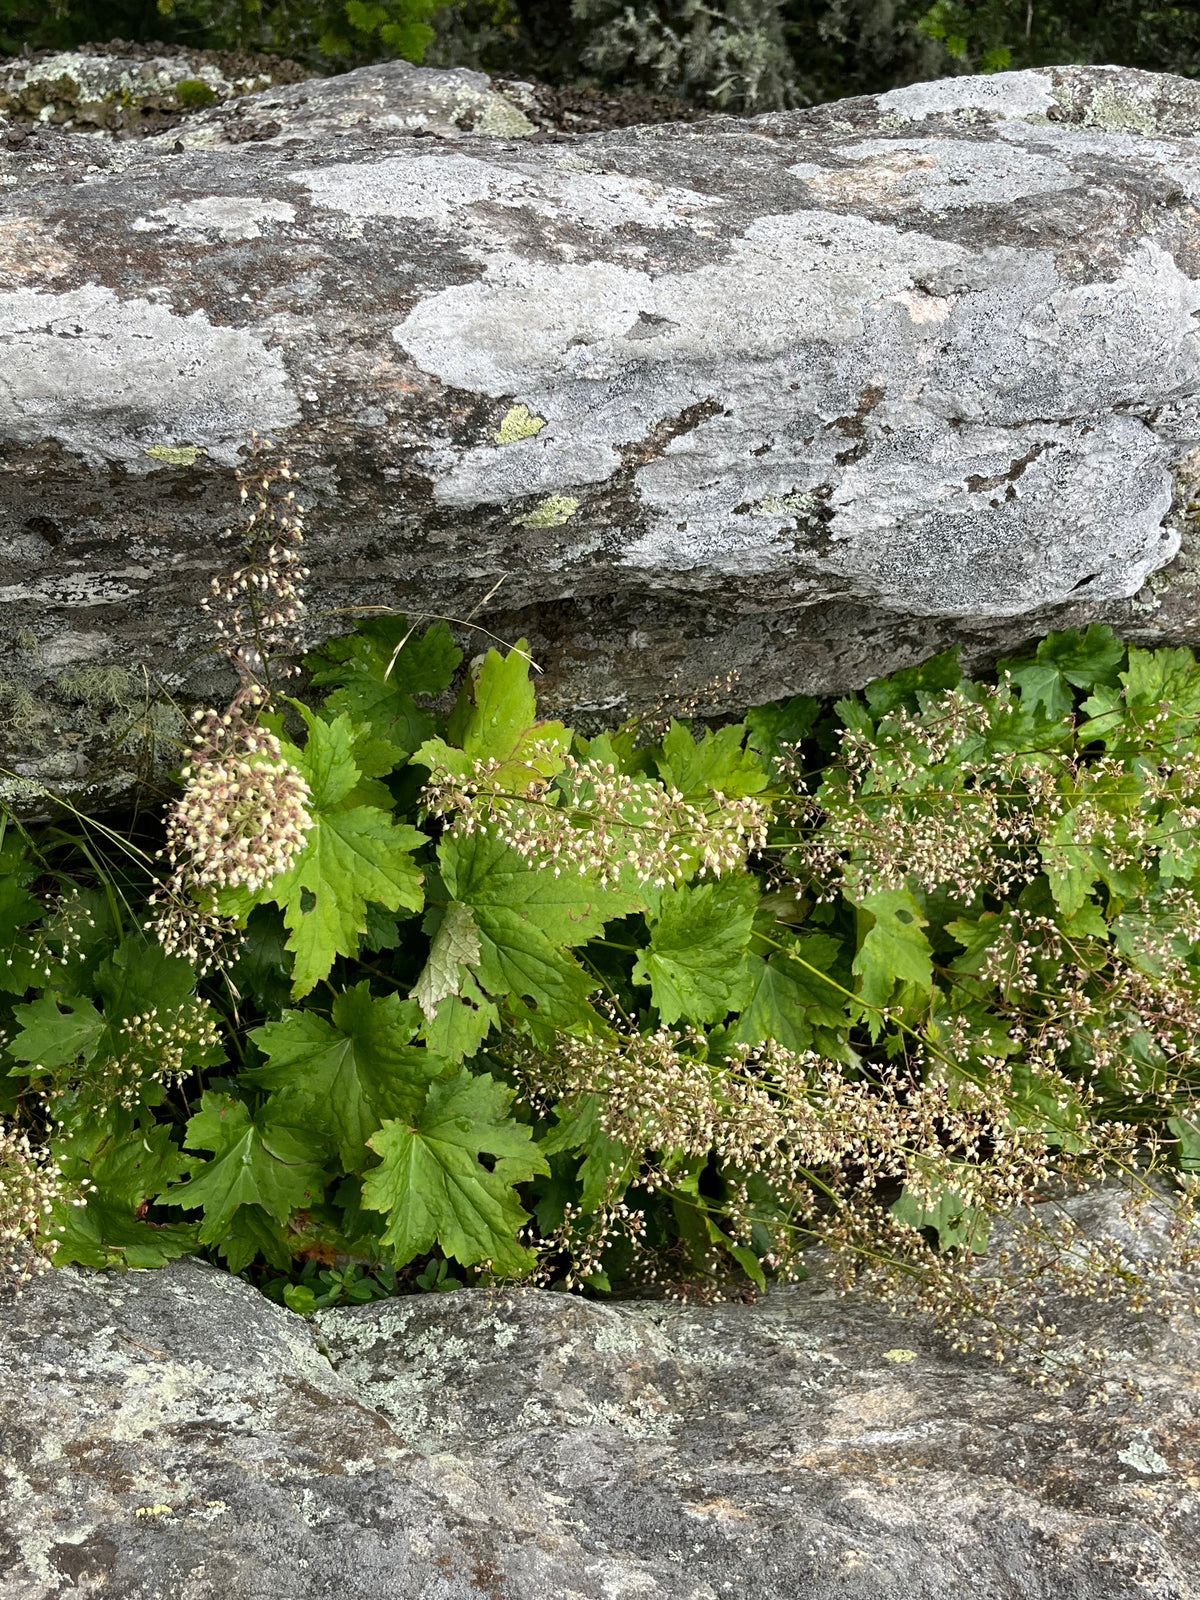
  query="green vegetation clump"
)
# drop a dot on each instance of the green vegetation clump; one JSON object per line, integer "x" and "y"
{"x": 328, "y": 35}
{"x": 194, "y": 92}
{"x": 731, "y": 55}
{"x": 390, "y": 1000}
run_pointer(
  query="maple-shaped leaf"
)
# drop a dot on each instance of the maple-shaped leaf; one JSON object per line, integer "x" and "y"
{"x": 345, "y": 1075}
{"x": 787, "y": 998}
{"x": 435, "y": 1189}
{"x": 376, "y": 672}
{"x": 351, "y": 855}
{"x": 1064, "y": 662}
{"x": 251, "y": 1232}
{"x": 527, "y": 920}
{"x": 51, "y": 1038}
{"x": 119, "y": 1162}
{"x": 103, "y": 1234}
{"x": 138, "y": 981}
{"x": 894, "y": 949}
{"x": 455, "y": 949}
{"x": 269, "y": 1165}
{"x": 715, "y": 764}
{"x": 461, "y": 1022}
{"x": 496, "y": 720}
{"x": 903, "y": 688}
{"x": 695, "y": 962}
{"x": 1071, "y": 865}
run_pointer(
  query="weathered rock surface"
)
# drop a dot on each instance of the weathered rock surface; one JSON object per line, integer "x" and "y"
{"x": 174, "y": 1436}
{"x": 394, "y": 98}
{"x": 113, "y": 90}
{"x": 804, "y": 397}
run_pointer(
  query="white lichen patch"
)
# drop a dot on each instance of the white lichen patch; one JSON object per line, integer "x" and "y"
{"x": 1004, "y": 94}
{"x": 445, "y": 189}
{"x": 220, "y": 216}
{"x": 937, "y": 174}
{"x": 110, "y": 378}
{"x": 908, "y": 382}
{"x": 1141, "y": 1455}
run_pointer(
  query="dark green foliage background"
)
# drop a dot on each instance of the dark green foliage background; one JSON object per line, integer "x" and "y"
{"x": 840, "y": 47}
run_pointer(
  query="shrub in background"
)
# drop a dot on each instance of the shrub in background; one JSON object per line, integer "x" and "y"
{"x": 325, "y": 34}
{"x": 729, "y": 54}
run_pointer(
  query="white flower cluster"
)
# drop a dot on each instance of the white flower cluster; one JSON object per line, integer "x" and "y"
{"x": 240, "y": 821}
{"x": 241, "y": 818}
{"x": 30, "y": 1183}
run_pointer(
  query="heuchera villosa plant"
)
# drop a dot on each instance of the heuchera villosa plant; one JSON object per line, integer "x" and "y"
{"x": 418, "y": 989}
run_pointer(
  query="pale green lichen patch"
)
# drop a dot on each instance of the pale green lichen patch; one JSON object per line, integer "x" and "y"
{"x": 549, "y": 513}
{"x": 98, "y": 687}
{"x": 18, "y": 707}
{"x": 176, "y": 455}
{"x": 1111, "y": 110}
{"x": 1143, "y": 1457}
{"x": 519, "y": 423}
{"x": 783, "y": 505}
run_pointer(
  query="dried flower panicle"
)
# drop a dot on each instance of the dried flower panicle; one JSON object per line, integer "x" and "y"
{"x": 241, "y": 819}
{"x": 257, "y": 607}
{"x": 596, "y": 819}
{"x": 244, "y": 811}
{"x": 831, "y": 1152}
{"x": 30, "y": 1185}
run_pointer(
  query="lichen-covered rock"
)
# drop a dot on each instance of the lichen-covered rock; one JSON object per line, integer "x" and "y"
{"x": 121, "y": 90}
{"x": 797, "y": 400}
{"x": 391, "y": 98}
{"x": 174, "y": 1436}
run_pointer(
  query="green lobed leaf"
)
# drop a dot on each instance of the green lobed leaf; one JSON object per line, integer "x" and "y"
{"x": 1064, "y": 662}
{"x": 958, "y": 1226}
{"x": 787, "y": 1000}
{"x": 454, "y": 951}
{"x": 527, "y": 920}
{"x": 695, "y": 962}
{"x": 434, "y": 1188}
{"x": 50, "y": 1038}
{"x": 894, "y": 948}
{"x": 119, "y": 1162}
{"x": 344, "y": 1075}
{"x": 717, "y": 763}
{"x": 902, "y": 688}
{"x": 376, "y": 671}
{"x": 275, "y": 1167}
{"x": 353, "y": 854}
{"x": 496, "y": 720}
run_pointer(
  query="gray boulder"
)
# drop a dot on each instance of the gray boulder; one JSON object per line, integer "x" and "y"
{"x": 174, "y": 1436}
{"x": 130, "y": 89}
{"x": 776, "y": 405}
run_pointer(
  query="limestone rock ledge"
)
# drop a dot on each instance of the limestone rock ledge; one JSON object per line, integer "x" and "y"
{"x": 801, "y": 398}
{"x": 174, "y": 1436}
